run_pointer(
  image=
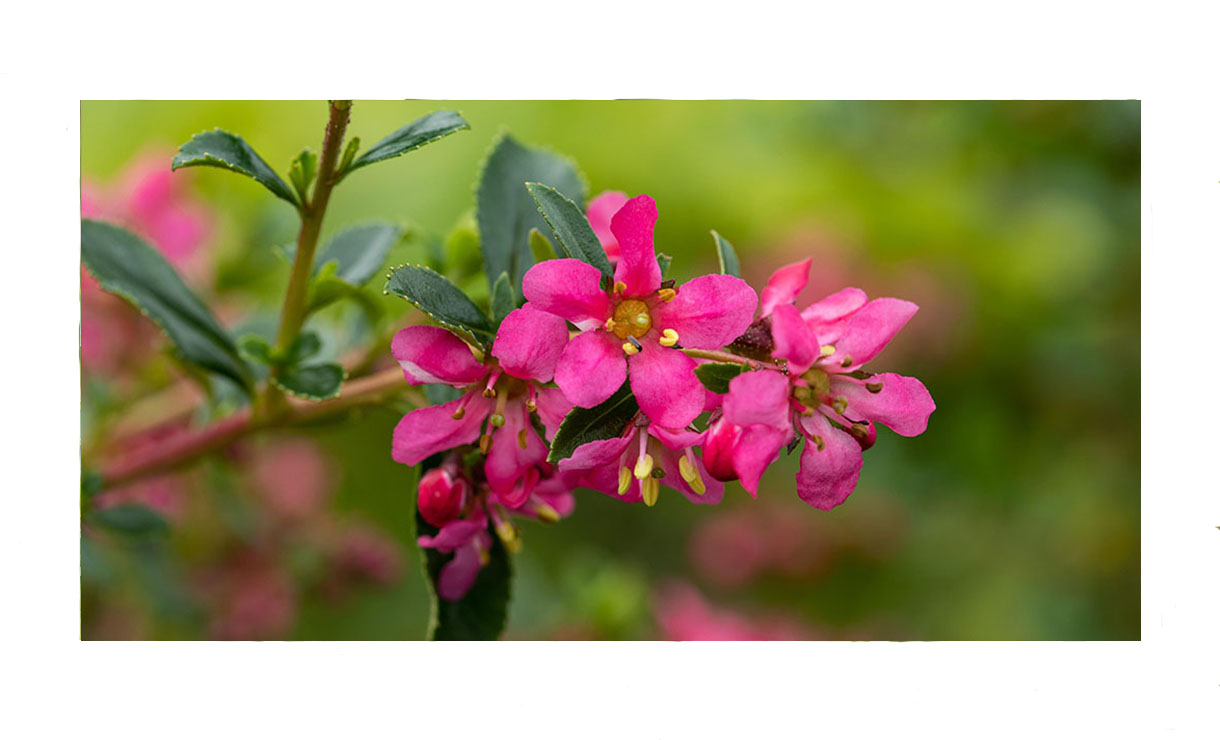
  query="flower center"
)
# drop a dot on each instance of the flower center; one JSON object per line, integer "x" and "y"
{"x": 631, "y": 319}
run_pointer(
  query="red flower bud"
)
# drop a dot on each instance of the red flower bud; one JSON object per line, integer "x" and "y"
{"x": 441, "y": 496}
{"x": 718, "y": 449}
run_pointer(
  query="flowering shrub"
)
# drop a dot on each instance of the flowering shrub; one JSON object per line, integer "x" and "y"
{"x": 586, "y": 366}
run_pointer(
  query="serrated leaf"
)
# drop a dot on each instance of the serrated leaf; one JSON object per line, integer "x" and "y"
{"x": 727, "y": 256}
{"x": 503, "y": 300}
{"x": 715, "y": 376}
{"x": 127, "y": 266}
{"x": 131, "y": 519}
{"x": 312, "y": 382}
{"x": 443, "y": 301}
{"x": 419, "y": 132}
{"x": 483, "y": 611}
{"x": 604, "y": 421}
{"x": 506, "y": 212}
{"x": 219, "y": 148}
{"x": 570, "y": 227}
{"x": 358, "y": 252}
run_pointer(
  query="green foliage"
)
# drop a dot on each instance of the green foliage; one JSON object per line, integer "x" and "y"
{"x": 131, "y": 519}
{"x": 358, "y": 252}
{"x": 664, "y": 260}
{"x": 127, "y": 266}
{"x": 727, "y": 256}
{"x": 422, "y": 131}
{"x": 302, "y": 172}
{"x": 604, "y": 421}
{"x": 505, "y": 210}
{"x": 715, "y": 376}
{"x": 222, "y": 149}
{"x": 503, "y": 300}
{"x": 442, "y": 301}
{"x": 483, "y": 611}
{"x": 312, "y": 382}
{"x": 570, "y": 227}
{"x": 541, "y": 247}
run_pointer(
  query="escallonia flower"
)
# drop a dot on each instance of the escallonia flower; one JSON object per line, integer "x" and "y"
{"x": 634, "y": 465}
{"x": 601, "y": 209}
{"x": 502, "y": 392}
{"x": 636, "y": 328}
{"x": 470, "y": 542}
{"x": 825, "y": 397}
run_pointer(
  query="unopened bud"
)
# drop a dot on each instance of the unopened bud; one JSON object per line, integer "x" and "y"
{"x": 718, "y": 449}
{"x": 441, "y": 496}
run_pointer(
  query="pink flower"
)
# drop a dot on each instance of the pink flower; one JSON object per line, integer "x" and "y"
{"x": 503, "y": 392}
{"x": 443, "y": 492}
{"x": 294, "y": 478}
{"x": 638, "y": 324}
{"x": 683, "y": 614}
{"x": 601, "y": 210}
{"x": 825, "y": 396}
{"x": 470, "y": 542}
{"x": 633, "y": 466}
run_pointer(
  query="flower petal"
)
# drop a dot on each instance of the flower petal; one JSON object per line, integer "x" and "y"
{"x": 713, "y": 489}
{"x": 529, "y": 342}
{"x": 828, "y": 316}
{"x": 455, "y": 534}
{"x": 569, "y": 289}
{"x": 827, "y": 476}
{"x": 508, "y": 460}
{"x": 603, "y": 453}
{"x": 794, "y": 340}
{"x": 459, "y": 574}
{"x": 553, "y": 406}
{"x": 664, "y": 383}
{"x": 708, "y": 312}
{"x": 429, "y": 354}
{"x": 759, "y": 397}
{"x": 785, "y": 284}
{"x": 868, "y": 331}
{"x": 591, "y": 368}
{"x": 676, "y": 439}
{"x": 756, "y": 448}
{"x": 637, "y": 265}
{"x": 903, "y": 404}
{"x": 601, "y": 209}
{"x": 427, "y": 431}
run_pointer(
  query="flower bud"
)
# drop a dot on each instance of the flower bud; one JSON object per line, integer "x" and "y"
{"x": 441, "y": 496}
{"x": 718, "y": 449}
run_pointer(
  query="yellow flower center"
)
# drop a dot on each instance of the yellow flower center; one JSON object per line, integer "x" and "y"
{"x": 631, "y": 319}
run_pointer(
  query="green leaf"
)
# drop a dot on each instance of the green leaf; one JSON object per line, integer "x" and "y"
{"x": 349, "y": 153}
{"x": 728, "y": 258}
{"x": 422, "y": 131}
{"x": 506, "y": 212}
{"x": 483, "y": 611}
{"x": 257, "y": 348}
{"x": 222, "y": 149}
{"x": 604, "y": 421}
{"x": 312, "y": 382}
{"x": 306, "y": 345}
{"x": 438, "y": 394}
{"x": 540, "y": 247}
{"x": 443, "y": 301}
{"x": 570, "y": 227}
{"x": 358, "y": 252}
{"x": 327, "y": 289}
{"x": 503, "y": 300}
{"x": 131, "y": 519}
{"x": 664, "y": 261}
{"x": 302, "y": 172}
{"x": 127, "y": 266}
{"x": 715, "y": 376}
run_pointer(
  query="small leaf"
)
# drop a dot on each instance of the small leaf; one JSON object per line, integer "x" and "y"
{"x": 306, "y": 345}
{"x": 422, "y": 131}
{"x": 222, "y": 149}
{"x": 327, "y": 289}
{"x": 131, "y": 519}
{"x": 127, "y": 266}
{"x": 664, "y": 261}
{"x": 506, "y": 212}
{"x": 715, "y": 376}
{"x": 728, "y": 258}
{"x": 312, "y": 382}
{"x": 503, "y": 300}
{"x": 482, "y": 612}
{"x": 349, "y": 153}
{"x": 302, "y": 172}
{"x": 257, "y": 348}
{"x": 540, "y": 247}
{"x": 570, "y": 227}
{"x": 604, "y": 421}
{"x": 358, "y": 252}
{"x": 438, "y": 394}
{"x": 443, "y": 301}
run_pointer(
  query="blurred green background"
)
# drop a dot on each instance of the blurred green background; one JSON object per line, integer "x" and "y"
{"x": 1015, "y": 226}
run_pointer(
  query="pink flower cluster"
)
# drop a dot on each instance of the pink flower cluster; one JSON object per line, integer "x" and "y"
{"x": 577, "y": 340}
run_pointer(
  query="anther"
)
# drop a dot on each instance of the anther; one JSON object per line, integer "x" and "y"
{"x": 610, "y": 324}
{"x": 629, "y": 348}
{"x": 521, "y": 439}
{"x": 827, "y": 351}
{"x": 545, "y": 513}
{"x": 485, "y": 443}
{"x": 840, "y": 404}
{"x": 874, "y": 387}
{"x": 667, "y": 294}
{"x": 818, "y": 442}
{"x": 650, "y": 489}
{"x": 690, "y": 474}
{"x": 669, "y": 338}
{"x": 459, "y": 413}
{"x": 531, "y": 405}
{"x": 489, "y": 392}
{"x": 846, "y": 361}
{"x": 619, "y": 287}
{"x": 624, "y": 480}
{"x": 643, "y": 467}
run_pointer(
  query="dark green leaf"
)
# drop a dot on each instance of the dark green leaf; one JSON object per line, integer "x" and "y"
{"x": 306, "y": 345}
{"x": 604, "y": 421}
{"x": 438, "y": 394}
{"x": 715, "y": 376}
{"x": 257, "y": 349}
{"x": 358, "y": 252}
{"x": 570, "y": 227}
{"x": 503, "y": 300}
{"x": 482, "y": 612}
{"x": 505, "y": 210}
{"x": 222, "y": 149}
{"x": 728, "y": 258}
{"x": 410, "y": 137}
{"x": 91, "y": 483}
{"x": 127, "y": 266}
{"x": 664, "y": 261}
{"x": 444, "y": 303}
{"x": 312, "y": 382}
{"x": 131, "y": 519}
{"x": 326, "y": 289}
{"x": 303, "y": 171}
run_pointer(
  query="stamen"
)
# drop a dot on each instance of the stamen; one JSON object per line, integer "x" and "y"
{"x": 490, "y": 390}
{"x": 667, "y": 294}
{"x": 609, "y": 324}
{"x": 690, "y": 473}
{"x": 874, "y": 387}
{"x": 545, "y": 513}
{"x": 827, "y": 351}
{"x": 669, "y": 338}
{"x": 624, "y": 480}
{"x": 485, "y": 443}
{"x": 650, "y": 489}
{"x": 461, "y": 411}
{"x": 643, "y": 467}
{"x": 840, "y": 404}
{"x": 522, "y": 442}
{"x": 818, "y": 442}
{"x": 630, "y": 349}
{"x": 846, "y": 361}
{"x": 635, "y": 343}
{"x": 619, "y": 287}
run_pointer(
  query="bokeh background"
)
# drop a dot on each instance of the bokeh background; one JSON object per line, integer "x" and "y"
{"x": 1015, "y": 226}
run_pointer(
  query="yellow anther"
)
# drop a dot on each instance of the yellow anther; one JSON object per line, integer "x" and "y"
{"x": 521, "y": 439}
{"x": 846, "y": 361}
{"x": 643, "y": 467}
{"x": 484, "y": 557}
{"x": 458, "y": 414}
{"x": 690, "y": 474}
{"x": 531, "y": 405}
{"x": 489, "y": 393}
{"x": 669, "y": 338}
{"x": 650, "y": 489}
{"x": 840, "y": 404}
{"x": 818, "y": 442}
{"x": 827, "y": 350}
{"x": 667, "y": 294}
{"x": 629, "y": 349}
{"x": 619, "y": 287}
{"x": 508, "y": 535}
{"x": 485, "y": 443}
{"x": 610, "y": 324}
{"x": 874, "y": 386}
{"x": 546, "y": 514}
{"x": 624, "y": 480}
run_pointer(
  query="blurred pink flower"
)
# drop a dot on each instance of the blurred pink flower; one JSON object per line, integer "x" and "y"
{"x": 164, "y": 494}
{"x": 293, "y": 477}
{"x": 683, "y": 614}
{"x": 366, "y": 553}
{"x": 250, "y": 598}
